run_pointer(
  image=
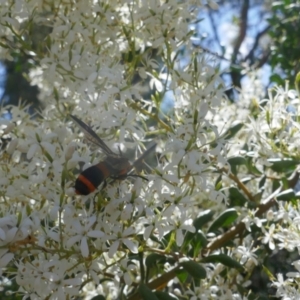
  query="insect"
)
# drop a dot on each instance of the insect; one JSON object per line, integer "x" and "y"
{"x": 114, "y": 166}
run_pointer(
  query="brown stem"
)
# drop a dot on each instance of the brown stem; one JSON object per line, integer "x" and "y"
{"x": 219, "y": 241}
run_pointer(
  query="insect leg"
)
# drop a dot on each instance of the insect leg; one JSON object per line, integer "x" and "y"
{"x": 136, "y": 175}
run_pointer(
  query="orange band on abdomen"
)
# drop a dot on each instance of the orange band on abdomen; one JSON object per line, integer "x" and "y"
{"x": 87, "y": 183}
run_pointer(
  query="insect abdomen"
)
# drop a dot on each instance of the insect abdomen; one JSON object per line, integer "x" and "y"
{"x": 91, "y": 178}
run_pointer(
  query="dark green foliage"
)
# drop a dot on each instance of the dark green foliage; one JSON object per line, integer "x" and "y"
{"x": 285, "y": 52}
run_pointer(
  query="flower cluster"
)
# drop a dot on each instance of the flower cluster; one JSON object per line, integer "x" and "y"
{"x": 111, "y": 65}
{"x": 78, "y": 240}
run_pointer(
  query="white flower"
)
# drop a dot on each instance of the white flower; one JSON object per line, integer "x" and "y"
{"x": 119, "y": 237}
{"x": 269, "y": 237}
{"x": 81, "y": 231}
{"x": 246, "y": 255}
{"x": 180, "y": 221}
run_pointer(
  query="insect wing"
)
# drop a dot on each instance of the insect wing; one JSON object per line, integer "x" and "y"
{"x": 92, "y": 137}
{"x": 145, "y": 154}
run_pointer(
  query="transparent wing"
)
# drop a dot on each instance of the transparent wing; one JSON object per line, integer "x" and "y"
{"x": 142, "y": 157}
{"x": 92, "y": 137}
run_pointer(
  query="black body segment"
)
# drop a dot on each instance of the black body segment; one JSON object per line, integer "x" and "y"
{"x": 90, "y": 179}
{"x": 115, "y": 166}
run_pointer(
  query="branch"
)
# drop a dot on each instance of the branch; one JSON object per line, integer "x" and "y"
{"x": 236, "y": 230}
{"x": 256, "y": 42}
{"x": 243, "y": 29}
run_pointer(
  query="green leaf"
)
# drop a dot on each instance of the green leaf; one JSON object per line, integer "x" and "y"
{"x": 287, "y": 195}
{"x": 64, "y": 175}
{"x": 164, "y": 296}
{"x": 56, "y": 94}
{"x": 283, "y": 165}
{"x": 203, "y": 218}
{"x": 38, "y": 138}
{"x": 98, "y": 297}
{"x": 197, "y": 243}
{"x": 297, "y": 83}
{"x": 277, "y": 79}
{"x": 223, "y": 259}
{"x": 218, "y": 184}
{"x": 236, "y": 161}
{"x": 196, "y": 117}
{"x": 182, "y": 275}
{"x": 146, "y": 293}
{"x": 154, "y": 259}
{"x": 225, "y": 219}
{"x": 194, "y": 269}
{"x": 231, "y": 132}
{"x": 201, "y": 241}
{"x": 251, "y": 166}
{"x": 194, "y": 242}
{"x": 236, "y": 197}
{"x": 262, "y": 182}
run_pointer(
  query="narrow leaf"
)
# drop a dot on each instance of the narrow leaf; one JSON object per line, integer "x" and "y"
{"x": 203, "y": 218}
{"x": 236, "y": 197}
{"x": 146, "y": 293}
{"x": 225, "y": 219}
{"x": 287, "y": 195}
{"x": 194, "y": 269}
{"x": 164, "y": 296}
{"x": 283, "y": 165}
{"x": 223, "y": 259}
{"x": 231, "y": 132}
